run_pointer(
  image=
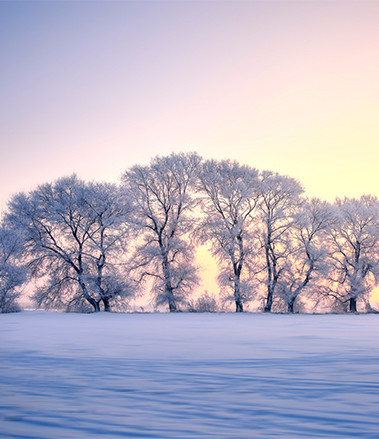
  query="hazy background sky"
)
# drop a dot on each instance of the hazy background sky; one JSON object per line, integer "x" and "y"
{"x": 95, "y": 87}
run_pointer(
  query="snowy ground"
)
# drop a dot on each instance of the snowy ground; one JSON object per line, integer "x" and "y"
{"x": 189, "y": 376}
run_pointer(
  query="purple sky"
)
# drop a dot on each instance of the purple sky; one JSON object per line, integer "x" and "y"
{"x": 95, "y": 87}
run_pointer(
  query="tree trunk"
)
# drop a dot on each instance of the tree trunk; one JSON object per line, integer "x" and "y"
{"x": 269, "y": 301}
{"x": 106, "y": 303}
{"x": 90, "y": 300}
{"x": 172, "y": 306}
{"x": 272, "y": 276}
{"x": 79, "y": 270}
{"x": 237, "y": 295}
{"x": 170, "y": 296}
{"x": 291, "y": 304}
{"x": 353, "y": 304}
{"x": 237, "y": 275}
{"x": 96, "y": 305}
{"x": 239, "y": 305}
{"x": 167, "y": 280}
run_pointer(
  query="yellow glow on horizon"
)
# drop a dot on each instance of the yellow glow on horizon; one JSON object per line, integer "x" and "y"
{"x": 208, "y": 270}
{"x": 374, "y": 297}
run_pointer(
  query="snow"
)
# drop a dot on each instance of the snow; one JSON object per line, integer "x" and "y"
{"x": 188, "y": 376}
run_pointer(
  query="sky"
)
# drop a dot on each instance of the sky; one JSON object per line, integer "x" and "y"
{"x": 95, "y": 87}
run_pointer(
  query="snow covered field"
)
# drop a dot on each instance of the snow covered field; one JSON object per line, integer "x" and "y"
{"x": 189, "y": 376}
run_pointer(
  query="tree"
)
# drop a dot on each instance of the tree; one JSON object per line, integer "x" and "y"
{"x": 62, "y": 231}
{"x": 354, "y": 242}
{"x": 162, "y": 207}
{"x": 230, "y": 196}
{"x": 12, "y": 273}
{"x": 279, "y": 203}
{"x": 306, "y": 262}
{"x": 107, "y": 242}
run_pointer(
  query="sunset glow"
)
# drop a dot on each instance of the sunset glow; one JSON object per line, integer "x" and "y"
{"x": 95, "y": 87}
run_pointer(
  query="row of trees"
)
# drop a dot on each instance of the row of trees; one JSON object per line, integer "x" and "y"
{"x": 91, "y": 246}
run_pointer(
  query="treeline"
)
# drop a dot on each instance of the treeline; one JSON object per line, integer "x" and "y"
{"x": 92, "y": 246}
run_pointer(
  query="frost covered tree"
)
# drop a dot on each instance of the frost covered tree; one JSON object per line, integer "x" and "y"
{"x": 163, "y": 201}
{"x": 280, "y": 198}
{"x": 354, "y": 242}
{"x": 12, "y": 273}
{"x": 307, "y": 259}
{"x": 230, "y": 196}
{"x": 63, "y": 232}
{"x": 107, "y": 242}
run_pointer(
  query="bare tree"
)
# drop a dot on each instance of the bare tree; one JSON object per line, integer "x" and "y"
{"x": 230, "y": 196}
{"x": 62, "y": 230}
{"x": 162, "y": 208}
{"x": 306, "y": 262}
{"x": 354, "y": 242}
{"x": 279, "y": 203}
{"x": 12, "y": 272}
